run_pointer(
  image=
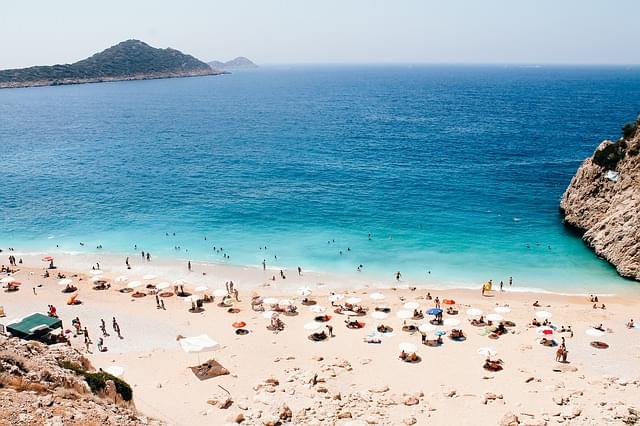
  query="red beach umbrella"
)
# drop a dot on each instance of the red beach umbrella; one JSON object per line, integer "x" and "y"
{"x": 47, "y": 259}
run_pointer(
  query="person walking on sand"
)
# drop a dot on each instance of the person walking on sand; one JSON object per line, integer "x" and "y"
{"x": 189, "y": 266}
{"x": 126, "y": 262}
{"x": 103, "y": 328}
{"x": 116, "y": 327}
{"x": 501, "y": 285}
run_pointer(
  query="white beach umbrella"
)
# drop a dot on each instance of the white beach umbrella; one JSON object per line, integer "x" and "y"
{"x": 451, "y": 322}
{"x": 96, "y": 272}
{"x": 487, "y": 351}
{"x": 317, "y": 309}
{"x": 495, "y": 317}
{"x": 193, "y": 298}
{"x": 502, "y": 310}
{"x": 312, "y": 326}
{"x": 149, "y": 277}
{"x": 336, "y": 297}
{"x": 179, "y": 282}
{"x": 304, "y": 291}
{"x": 121, "y": 279}
{"x": 97, "y": 278}
{"x": 404, "y": 314}
{"x": 377, "y": 296}
{"x": 353, "y": 300}
{"x": 134, "y": 284}
{"x": 163, "y": 285}
{"x": 407, "y": 347}
{"x": 285, "y": 302}
{"x": 220, "y": 292}
{"x": 269, "y": 314}
{"x": 379, "y": 315}
{"x": 200, "y": 288}
{"x": 543, "y": 314}
{"x": 593, "y": 332}
{"x": 411, "y": 305}
{"x": 268, "y": 300}
{"x": 426, "y": 327}
{"x": 474, "y": 312}
{"x": 115, "y": 370}
{"x": 64, "y": 281}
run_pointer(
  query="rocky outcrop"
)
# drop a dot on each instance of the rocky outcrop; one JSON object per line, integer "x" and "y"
{"x": 603, "y": 202}
{"x": 38, "y": 388}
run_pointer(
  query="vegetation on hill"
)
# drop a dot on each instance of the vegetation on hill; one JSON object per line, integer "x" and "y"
{"x": 238, "y": 63}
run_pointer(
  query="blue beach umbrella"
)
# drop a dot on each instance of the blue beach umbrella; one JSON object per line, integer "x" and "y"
{"x": 434, "y": 311}
{"x": 440, "y": 333}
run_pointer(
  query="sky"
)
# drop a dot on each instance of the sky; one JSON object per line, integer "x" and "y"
{"x": 44, "y": 32}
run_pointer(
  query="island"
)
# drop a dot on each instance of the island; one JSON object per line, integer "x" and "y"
{"x": 235, "y": 64}
{"x": 128, "y": 60}
{"x": 602, "y": 202}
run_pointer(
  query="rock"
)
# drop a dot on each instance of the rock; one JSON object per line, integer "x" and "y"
{"x": 409, "y": 421}
{"x": 569, "y": 413}
{"x": 379, "y": 389}
{"x": 239, "y": 418}
{"x": 371, "y": 420}
{"x": 450, "y": 393}
{"x": 411, "y": 400}
{"x": 285, "y": 413}
{"x": 344, "y": 415}
{"x": 605, "y": 208}
{"x": 509, "y": 419}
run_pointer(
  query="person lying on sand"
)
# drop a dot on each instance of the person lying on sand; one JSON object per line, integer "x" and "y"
{"x": 535, "y": 322}
{"x": 600, "y": 327}
{"x": 479, "y": 321}
{"x": 492, "y": 365}
{"x": 536, "y": 303}
{"x": 456, "y": 334}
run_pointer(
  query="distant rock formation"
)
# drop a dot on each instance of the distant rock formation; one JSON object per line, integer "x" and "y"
{"x": 128, "y": 60}
{"x": 603, "y": 201}
{"x": 235, "y": 64}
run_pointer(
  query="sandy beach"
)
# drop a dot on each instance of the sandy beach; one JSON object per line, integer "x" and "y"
{"x": 343, "y": 380}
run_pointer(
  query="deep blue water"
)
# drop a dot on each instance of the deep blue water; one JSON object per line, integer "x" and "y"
{"x": 458, "y": 170}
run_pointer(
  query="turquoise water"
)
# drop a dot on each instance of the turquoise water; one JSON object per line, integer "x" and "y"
{"x": 453, "y": 170}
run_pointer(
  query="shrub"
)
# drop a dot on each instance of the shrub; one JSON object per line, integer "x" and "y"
{"x": 98, "y": 381}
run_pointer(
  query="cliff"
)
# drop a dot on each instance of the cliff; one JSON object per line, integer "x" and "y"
{"x": 603, "y": 201}
{"x": 128, "y": 60}
{"x": 56, "y": 385}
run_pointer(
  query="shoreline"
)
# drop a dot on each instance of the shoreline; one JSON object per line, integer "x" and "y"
{"x": 253, "y": 277}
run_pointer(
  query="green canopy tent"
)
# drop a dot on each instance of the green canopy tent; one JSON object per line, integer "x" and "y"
{"x": 34, "y": 326}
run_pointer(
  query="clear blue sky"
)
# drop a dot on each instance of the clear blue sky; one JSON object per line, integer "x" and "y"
{"x": 335, "y": 31}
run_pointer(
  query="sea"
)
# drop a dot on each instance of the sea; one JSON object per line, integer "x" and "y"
{"x": 450, "y": 174}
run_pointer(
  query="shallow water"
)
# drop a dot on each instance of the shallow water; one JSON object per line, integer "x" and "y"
{"x": 453, "y": 170}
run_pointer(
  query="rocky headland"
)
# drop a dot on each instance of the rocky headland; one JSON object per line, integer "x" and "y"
{"x": 128, "y": 60}
{"x": 603, "y": 201}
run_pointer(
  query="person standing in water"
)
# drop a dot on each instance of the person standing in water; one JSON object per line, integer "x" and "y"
{"x": 398, "y": 276}
{"x": 264, "y": 264}
{"x": 189, "y": 266}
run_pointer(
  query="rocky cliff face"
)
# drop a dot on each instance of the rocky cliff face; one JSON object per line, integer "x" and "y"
{"x": 603, "y": 201}
{"x": 37, "y": 389}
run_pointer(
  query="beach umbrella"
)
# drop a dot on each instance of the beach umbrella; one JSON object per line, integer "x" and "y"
{"x": 440, "y": 333}
{"x": 317, "y": 309}
{"x": 200, "y": 289}
{"x": 65, "y": 281}
{"x": 115, "y": 370}
{"x": 219, "y": 292}
{"x": 97, "y": 278}
{"x": 495, "y": 317}
{"x": 9, "y": 280}
{"x": 593, "y": 332}
{"x": 379, "y": 315}
{"x": 404, "y": 314}
{"x": 95, "y": 272}
{"x": 163, "y": 285}
{"x": 285, "y": 302}
{"x": 407, "y": 347}
{"x": 150, "y": 277}
{"x": 269, "y": 300}
{"x": 449, "y": 302}
{"x": 474, "y": 312}
{"x": 179, "y": 282}
{"x": 411, "y": 305}
{"x": 451, "y": 322}
{"x": 502, "y": 310}
{"x": 434, "y": 311}
{"x": 377, "y": 296}
{"x": 353, "y": 300}
{"x": 304, "y": 291}
{"x": 193, "y": 298}
{"x": 487, "y": 352}
{"x": 336, "y": 297}
{"x": 134, "y": 284}
{"x": 269, "y": 314}
{"x": 543, "y": 314}
{"x": 121, "y": 279}
{"x": 47, "y": 259}
{"x": 312, "y": 326}
{"x": 426, "y": 327}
